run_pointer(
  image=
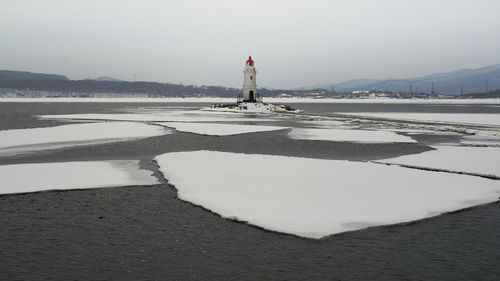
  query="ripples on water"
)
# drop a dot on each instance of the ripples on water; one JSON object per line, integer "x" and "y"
{"x": 138, "y": 233}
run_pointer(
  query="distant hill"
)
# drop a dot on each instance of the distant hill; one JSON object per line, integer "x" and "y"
{"x": 107, "y": 78}
{"x": 25, "y": 75}
{"x": 455, "y": 82}
{"x": 91, "y": 88}
{"x": 351, "y": 84}
{"x": 27, "y": 84}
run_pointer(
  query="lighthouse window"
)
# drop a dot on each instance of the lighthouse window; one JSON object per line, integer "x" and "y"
{"x": 251, "y": 78}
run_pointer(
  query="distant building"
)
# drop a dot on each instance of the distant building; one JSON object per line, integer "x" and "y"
{"x": 249, "y": 83}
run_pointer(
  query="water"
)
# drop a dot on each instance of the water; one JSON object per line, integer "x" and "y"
{"x": 399, "y": 107}
{"x": 145, "y": 232}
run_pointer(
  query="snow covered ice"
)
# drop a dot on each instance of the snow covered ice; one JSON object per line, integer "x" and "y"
{"x": 306, "y": 197}
{"x": 315, "y": 198}
{"x": 13, "y": 141}
{"x": 249, "y": 107}
{"x": 351, "y": 135}
{"x": 462, "y": 118}
{"x": 488, "y": 138}
{"x": 20, "y": 178}
{"x": 174, "y": 116}
{"x": 325, "y": 123}
{"x": 474, "y": 160}
{"x": 216, "y": 129}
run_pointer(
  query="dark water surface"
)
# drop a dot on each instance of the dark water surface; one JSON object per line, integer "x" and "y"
{"x": 24, "y": 115}
{"x": 146, "y": 233}
{"x": 397, "y": 107}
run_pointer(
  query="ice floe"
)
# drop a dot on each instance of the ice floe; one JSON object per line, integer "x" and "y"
{"x": 488, "y": 138}
{"x": 12, "y": 141}
{"x": 325, "y": 124}
{"x": 474, "y": 160}
{"x": 172, "y": 116}
{"x": 463, "y": 118}
{"x": 315, "y": 198}
{"x": 21, "y": 178}
{"x": 217, "y": 129}
{"x": 362, "y": 136}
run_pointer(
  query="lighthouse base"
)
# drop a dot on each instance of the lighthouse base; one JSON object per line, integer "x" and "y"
{"x": 255, "y": 107}
{"x": 252, "y": 98}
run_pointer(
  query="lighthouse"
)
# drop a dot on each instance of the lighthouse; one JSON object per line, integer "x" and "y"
{"x": 249, "y": 82}
{"x": 248, "y": 100}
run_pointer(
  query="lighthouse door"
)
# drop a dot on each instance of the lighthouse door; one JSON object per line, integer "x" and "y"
{"x": 250, "y": 96}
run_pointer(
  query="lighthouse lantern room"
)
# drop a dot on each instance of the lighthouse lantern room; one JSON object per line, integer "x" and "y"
{"x": 249, "y": 82}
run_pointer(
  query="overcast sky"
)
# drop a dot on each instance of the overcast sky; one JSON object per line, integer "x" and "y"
{"x": 294, "y": 42}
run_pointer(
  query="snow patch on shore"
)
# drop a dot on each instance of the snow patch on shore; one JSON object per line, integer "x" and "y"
{"x": 315, "y": 198}
{"x": 122, "y": 100}
{"x": 384, "y": 101}
{"x": 266, "y": 99}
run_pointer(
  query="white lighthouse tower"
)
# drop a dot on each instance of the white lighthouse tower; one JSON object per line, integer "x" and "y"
{"x": 250, "y": 82}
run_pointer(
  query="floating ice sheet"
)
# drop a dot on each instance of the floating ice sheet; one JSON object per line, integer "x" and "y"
{"x": 74, "y": 134}
{"x": 353, "y": 135}
{"x": 488, "y": 138}
{"x": 325, "y": 124}
{"x": 217, "y": 129}
{"x": 315, "y": 198}
{"x": 21, "y": 178}
{"x": 172, "y": 116}
{"x": 476, "y": 160}
{"x": 465, "y": 118}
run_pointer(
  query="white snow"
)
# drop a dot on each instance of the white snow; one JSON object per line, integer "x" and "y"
{"x": 477, "y": 160}
{"x": 249, "y": 107}
{"x": 364, "y": 136}
{"x": 465, "y": 118}
{"x": 124, "y": 100}
{"x": 325, "y": 124}
{"x": 315, "y": 198}
{"x": 20, "y": 178}
{"x": 483, "y": 137}
{"x": 266, "y": 99}
{"x": 217, "y": 129}
{"x": 383, "y": 100}
{"x": 75, "y": 134}
{"x": 172, "y": 116}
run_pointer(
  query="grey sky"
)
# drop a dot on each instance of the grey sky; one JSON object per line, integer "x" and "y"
{"x": 294, "y": 43}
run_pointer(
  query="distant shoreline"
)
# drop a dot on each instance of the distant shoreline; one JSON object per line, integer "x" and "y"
{"x": 268, "y": 100}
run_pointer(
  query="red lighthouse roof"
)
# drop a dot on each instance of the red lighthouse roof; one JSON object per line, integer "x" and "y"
{"x": 250, "y": 60}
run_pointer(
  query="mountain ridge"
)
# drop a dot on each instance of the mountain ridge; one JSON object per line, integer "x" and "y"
{"x": 107, "y": 78}
{"x": 466, "y": 80}
{"x": 463, "y": 81}
{"x": 26, "y": 75}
